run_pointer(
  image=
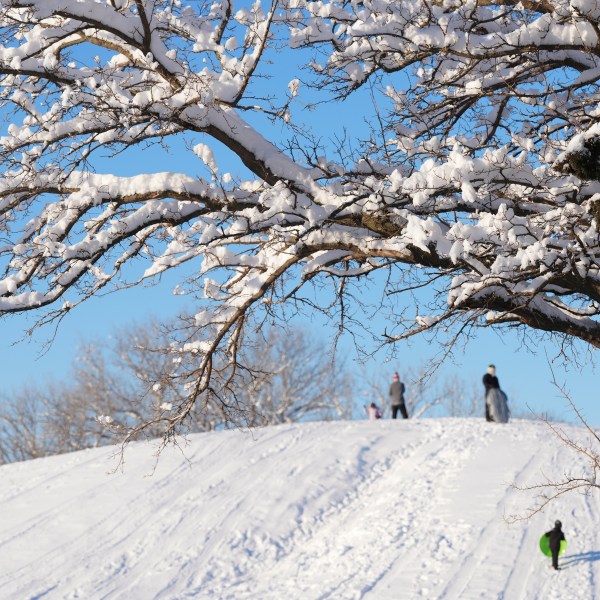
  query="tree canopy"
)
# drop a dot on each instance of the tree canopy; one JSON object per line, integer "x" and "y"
{"x": 479, "y": 178}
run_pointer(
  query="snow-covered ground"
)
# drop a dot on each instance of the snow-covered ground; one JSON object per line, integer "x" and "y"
{"x": 379, "y": 510}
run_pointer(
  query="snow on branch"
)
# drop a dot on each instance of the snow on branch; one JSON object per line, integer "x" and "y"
{"x": 479, "y": 179}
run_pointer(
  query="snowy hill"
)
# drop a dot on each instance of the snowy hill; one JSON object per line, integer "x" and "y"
{"x": 378, "y": 510}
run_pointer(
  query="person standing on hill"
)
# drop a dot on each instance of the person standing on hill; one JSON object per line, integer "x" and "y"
{"x": 397, "y": 396}
{"x": 490, "y": 382}
{"x": 496, "y": 403}
{"x": 555, "y": 536}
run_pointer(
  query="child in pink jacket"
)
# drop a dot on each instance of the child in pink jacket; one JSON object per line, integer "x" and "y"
{"x": 373, "y": 412}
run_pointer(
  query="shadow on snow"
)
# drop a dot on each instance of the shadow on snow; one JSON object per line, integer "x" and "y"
{"x": 572, "y": 560}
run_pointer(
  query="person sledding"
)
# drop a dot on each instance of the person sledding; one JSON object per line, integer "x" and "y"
{"x": 555, "y": 537}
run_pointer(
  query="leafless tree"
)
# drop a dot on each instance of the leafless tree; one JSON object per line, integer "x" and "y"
{"x": 297, "y": 381}
{"x": 461, "y": 398}
{"x": 116, "y": 385}
{"x": 21, "y": 434}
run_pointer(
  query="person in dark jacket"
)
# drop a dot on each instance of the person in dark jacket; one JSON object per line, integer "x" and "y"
{"x": 397, "y": 396}
{"x": 490, "y": 382}
{"x": 555, "y": 536}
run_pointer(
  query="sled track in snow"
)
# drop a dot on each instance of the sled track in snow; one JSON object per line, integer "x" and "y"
{"x": 377, "y": 511}
{"x": 469, "y": 578}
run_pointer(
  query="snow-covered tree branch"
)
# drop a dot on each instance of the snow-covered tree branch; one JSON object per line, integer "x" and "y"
{"x": 481, "y": 173}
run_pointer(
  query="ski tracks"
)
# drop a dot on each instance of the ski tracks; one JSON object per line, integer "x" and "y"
{"x": 424, "y": 549}
{"x": 194, "y": 531}
{"x": 508, "y": 555}
{"x": 389, "y": 510}
{"x": 101, "y": 543}
{"x": 580, "y": 565}
{"x": 491, "y": 549}
{"x": 349, "y": 550}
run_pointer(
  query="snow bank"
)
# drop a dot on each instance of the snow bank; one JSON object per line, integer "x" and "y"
{"x": 382, "y": 510}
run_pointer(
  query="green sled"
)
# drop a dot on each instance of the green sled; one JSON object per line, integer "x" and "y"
{"x": 546, "y": 549}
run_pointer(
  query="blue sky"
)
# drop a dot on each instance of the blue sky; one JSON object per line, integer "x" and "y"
{"x": 524, "y": 374}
